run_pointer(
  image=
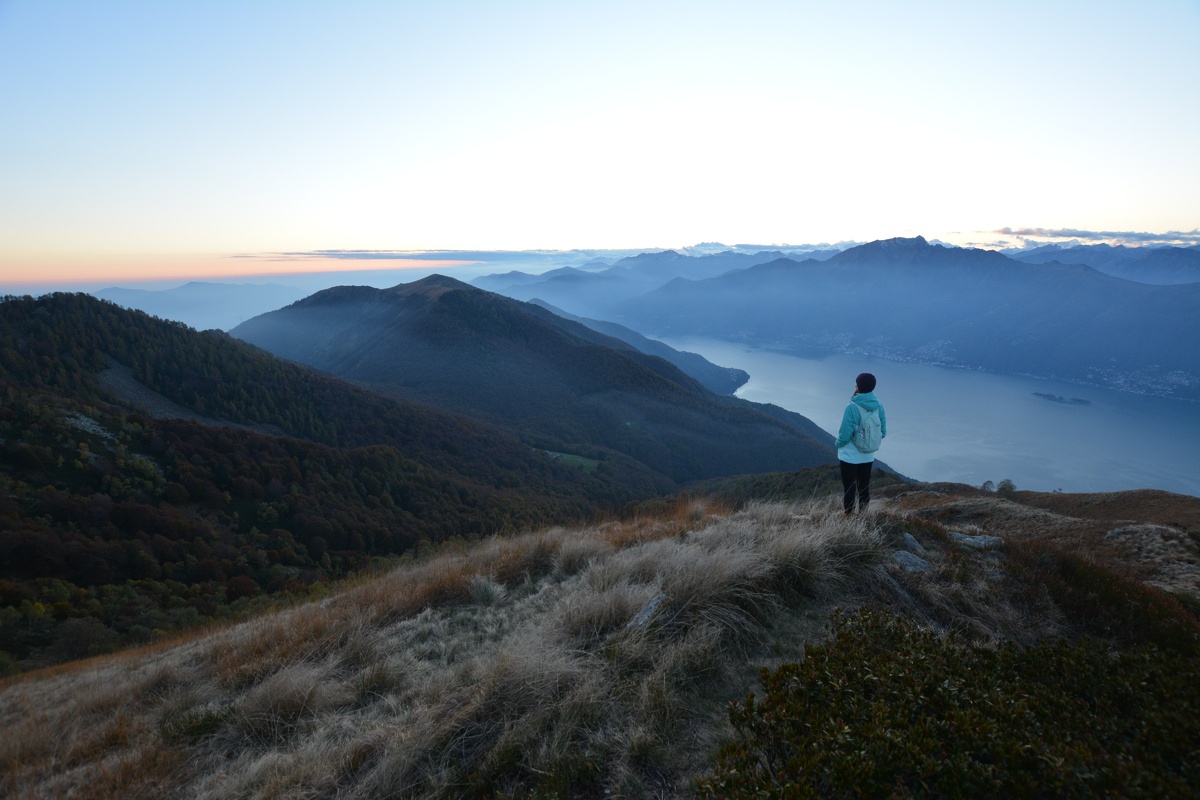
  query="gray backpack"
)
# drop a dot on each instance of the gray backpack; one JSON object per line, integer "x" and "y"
{"x": 869, "y": 433}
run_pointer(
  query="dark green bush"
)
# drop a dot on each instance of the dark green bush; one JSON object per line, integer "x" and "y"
{"x": 886, "y": 708}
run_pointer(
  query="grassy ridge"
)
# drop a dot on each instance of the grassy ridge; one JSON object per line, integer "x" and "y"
{"x": 554, "y": 661}
{"x": 577, "y": 662}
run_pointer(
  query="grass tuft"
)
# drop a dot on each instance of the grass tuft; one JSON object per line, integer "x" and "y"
{"x": 272, "y": 711}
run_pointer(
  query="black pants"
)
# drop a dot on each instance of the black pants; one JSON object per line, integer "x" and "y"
{"x": 856, "y": 480}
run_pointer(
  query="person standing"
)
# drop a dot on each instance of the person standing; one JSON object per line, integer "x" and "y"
{"x": 856, "y": 454}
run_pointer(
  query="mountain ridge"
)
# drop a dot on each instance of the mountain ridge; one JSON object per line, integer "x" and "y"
{"x": 927, "y": 303}
{"x": 1154, "y": 265}
{"x": 445, "y": 342}
{"x": 627, "y": 277}
{"x": 907, "y": 300}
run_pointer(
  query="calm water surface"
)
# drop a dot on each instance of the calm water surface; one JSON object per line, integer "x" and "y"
{"x": 970, "y": 427}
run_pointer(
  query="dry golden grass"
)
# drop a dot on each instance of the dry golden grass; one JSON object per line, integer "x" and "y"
{"x": 602, "y": 658}
{"x": 566, "y": 652}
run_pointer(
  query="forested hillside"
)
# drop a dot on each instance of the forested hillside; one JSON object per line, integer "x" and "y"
{"x": 115, "y": 525}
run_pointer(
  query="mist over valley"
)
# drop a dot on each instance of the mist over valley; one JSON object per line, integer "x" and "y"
{"x": 1087, "y": 319}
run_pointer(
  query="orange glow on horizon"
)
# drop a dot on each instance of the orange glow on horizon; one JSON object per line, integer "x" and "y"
{"x": 18, "y": 271}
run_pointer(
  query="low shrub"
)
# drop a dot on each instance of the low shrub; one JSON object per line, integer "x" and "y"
{"x": 886, "y": 708}
{"x": 1099, "y": 602}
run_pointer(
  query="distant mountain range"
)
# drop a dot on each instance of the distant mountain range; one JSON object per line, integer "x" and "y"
{"x": 909, "y": 300}
{"x": 605, "y": 291}
{"x": 1157, "y": 265}
{"x": 205, "y": 305}
{"x": 561, "y": 385}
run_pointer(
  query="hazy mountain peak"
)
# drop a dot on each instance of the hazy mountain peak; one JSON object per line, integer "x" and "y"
{"x": 431, "y": 287}
{"x": 204, "y": 304}
{"x": 909, "y": 299}
{"x": 662, "y": 255}
{"x": 438, "y": 280}
{"x": 899, "y": 249}
{"x": 901, "y": 243}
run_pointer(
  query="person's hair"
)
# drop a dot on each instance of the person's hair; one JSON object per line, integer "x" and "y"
{"x": 865, "y": 382}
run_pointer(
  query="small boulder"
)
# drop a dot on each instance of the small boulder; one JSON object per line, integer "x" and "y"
{"x": 911, "y": 562}
{"x": 976, "y": 542}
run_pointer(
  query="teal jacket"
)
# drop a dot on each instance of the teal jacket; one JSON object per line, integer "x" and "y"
{"x": 845, "y": 447}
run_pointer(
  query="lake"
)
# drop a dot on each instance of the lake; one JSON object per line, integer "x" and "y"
{"x": 969, "y": 427}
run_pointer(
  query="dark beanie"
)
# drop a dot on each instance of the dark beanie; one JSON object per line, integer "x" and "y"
{"x": 865, "y": 382}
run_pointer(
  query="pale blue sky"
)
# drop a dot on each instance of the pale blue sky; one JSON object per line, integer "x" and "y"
{"x": 132, "y": 132}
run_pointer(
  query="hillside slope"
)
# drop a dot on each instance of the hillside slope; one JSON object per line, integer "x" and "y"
{"x": 556, "y": 382}
{"x": 717, "y": 379}
{"x": 570, "y": 662}
{"x": 153, "y": 478}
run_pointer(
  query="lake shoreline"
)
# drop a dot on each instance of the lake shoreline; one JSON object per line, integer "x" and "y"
{"x": 970, "y": 426}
